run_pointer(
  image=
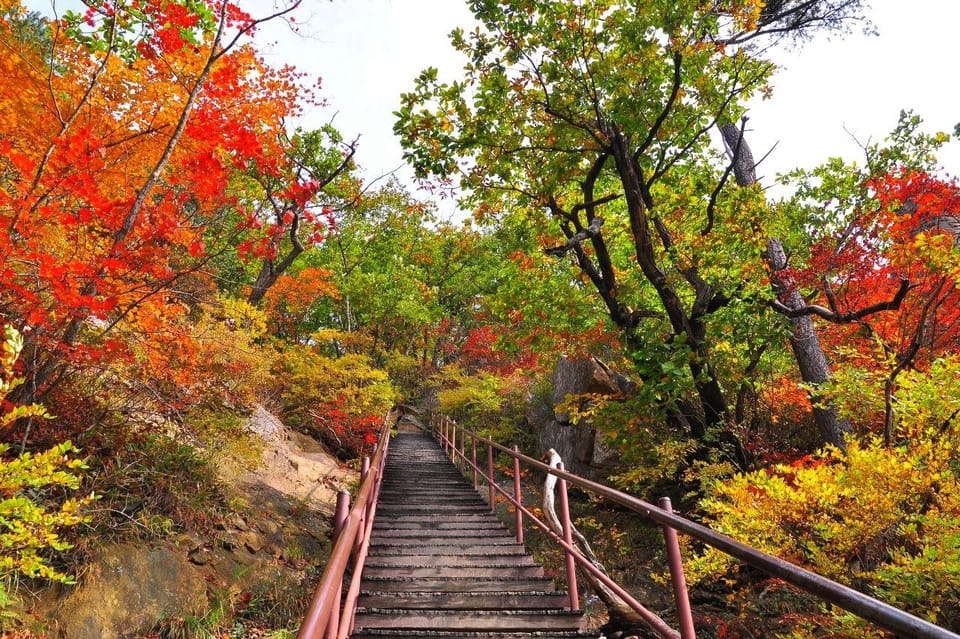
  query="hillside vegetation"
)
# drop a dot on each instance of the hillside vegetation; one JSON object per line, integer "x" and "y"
{"x": 175, "y": 256}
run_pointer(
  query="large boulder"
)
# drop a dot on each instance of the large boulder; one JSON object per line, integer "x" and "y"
{"x": 582, "y": 447}
{"x": 128, "y": 591}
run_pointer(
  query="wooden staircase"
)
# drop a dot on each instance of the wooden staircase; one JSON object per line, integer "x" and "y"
{"x": 441, "y": 565}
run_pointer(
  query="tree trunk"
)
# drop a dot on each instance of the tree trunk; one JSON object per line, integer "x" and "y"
{"x": 708, "y": 388}
{"x": 807, "y": 350}
{"x": 811, "y": 360}
{"x": 265, "y": 279}
{"x": 270, "y": 270}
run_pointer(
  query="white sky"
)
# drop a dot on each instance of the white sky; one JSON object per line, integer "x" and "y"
{"x": 369, "y": 51}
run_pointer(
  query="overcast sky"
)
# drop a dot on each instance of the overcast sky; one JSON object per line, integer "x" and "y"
{"x": 368, "y": 51}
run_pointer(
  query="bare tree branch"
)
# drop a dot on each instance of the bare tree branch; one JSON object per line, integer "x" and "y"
{"x": 592, "y": 230}
{"x": 848, "y": 317}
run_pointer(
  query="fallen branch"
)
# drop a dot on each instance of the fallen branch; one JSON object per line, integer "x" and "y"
{"x": 621, "y": 614}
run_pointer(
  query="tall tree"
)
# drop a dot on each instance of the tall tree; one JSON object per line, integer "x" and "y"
{"x": 881, "y": 255}
{"x": 595, "y": 116}
{"x": 117, "y": 151}
{"x": 296, "y": 198}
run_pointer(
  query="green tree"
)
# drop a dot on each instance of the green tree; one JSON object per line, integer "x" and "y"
{"x": 593, "y": 118}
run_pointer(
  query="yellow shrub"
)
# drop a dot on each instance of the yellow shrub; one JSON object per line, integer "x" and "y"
{"x": 882, "y": 519}
{"x": 341, "y": 400}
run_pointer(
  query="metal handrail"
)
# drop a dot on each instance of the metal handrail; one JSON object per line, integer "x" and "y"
{"x": 326, "y": 618}
{"x": 868, "y": 608}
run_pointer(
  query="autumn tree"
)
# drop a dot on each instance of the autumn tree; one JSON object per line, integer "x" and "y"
{"x": 595, "y": 119}
{"x": 804, "y": 340}
{"x": 293, "y": 198}
{"x": 117, "y": 154}
{"x": 401, "y": 272}
{"x": 881, "y": 270}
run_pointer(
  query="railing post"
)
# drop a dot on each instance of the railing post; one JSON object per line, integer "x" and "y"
{"x": 340, "y": 514}
{"x": 339, "y": 521}
{"x": 493, "y": 492}
{"x": 364, "y": 471}
{"x": 568, "y": 537}
{"x": 517, "y": 494}
{"x": 473, "y": 446}
{"x": 463, "y": 450}
{"x": 684, "y": 614}
{"x": 453, "y": 442}
{"x": 369, "y": 509}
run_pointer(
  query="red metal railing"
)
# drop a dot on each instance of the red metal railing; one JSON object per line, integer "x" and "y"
{"x": 327, "y": 618}
{"x": 873, "y": 610}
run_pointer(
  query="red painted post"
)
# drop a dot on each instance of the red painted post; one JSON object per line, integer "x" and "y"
{"x": 340, "y": 514}
{"x": 364, "y": 471}
{"x": 339, "y": 521}
{"x": 453, "y": 442}
{"x": 473, "y": 446}
{"x": 493, "y": 493}
{"x": 463, "y": 450}
{"x": 369, "y": 509}
{"x": 517, "y": 494}
{"x": 568, "y": 537}
{"x": 684, "y": 614}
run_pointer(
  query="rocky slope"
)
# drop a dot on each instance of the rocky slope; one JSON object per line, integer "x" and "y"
{"x": 264, "y": 555}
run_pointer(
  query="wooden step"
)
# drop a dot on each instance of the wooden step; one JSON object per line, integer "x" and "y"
{"x": 474, "y": 572}
{"x": 499, "y": 600}
{"x": 460, "y": 549}
{"x": 455, "y": 584}
{"x": 472, "y": 620}
{"x": 375, "y": 633}
{"x": 449, "y": 559}
{"x": 466, "y": 536}
{"x": 463, "y": 542}
{"x": 422, "y": 517}
{"x": 437, "y": 525}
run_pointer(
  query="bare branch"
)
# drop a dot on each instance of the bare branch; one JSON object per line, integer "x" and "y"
{"x": 848, "y": 317}
{"x": 592, "y": 230}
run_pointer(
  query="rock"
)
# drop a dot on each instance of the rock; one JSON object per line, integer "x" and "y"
{"x": 410, "y": 424}
{"x": 200, "y": 557}
{"x": 230, "y": 541}
{"x": 191, "y": 541}
{"x": 578, "y": 377}
{"x": 128, "y": 590}
{"x": 269, "y": 527}
{"x": 277, "y": 511}
{"x": 584, "y": 451}
{"x": 252, "y": 541}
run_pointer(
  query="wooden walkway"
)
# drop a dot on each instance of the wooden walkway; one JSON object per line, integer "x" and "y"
{"x": 441, "y": 565}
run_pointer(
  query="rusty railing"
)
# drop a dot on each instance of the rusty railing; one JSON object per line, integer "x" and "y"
{"x": 453, "y": 438}
{"x": 330, "y": 615}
